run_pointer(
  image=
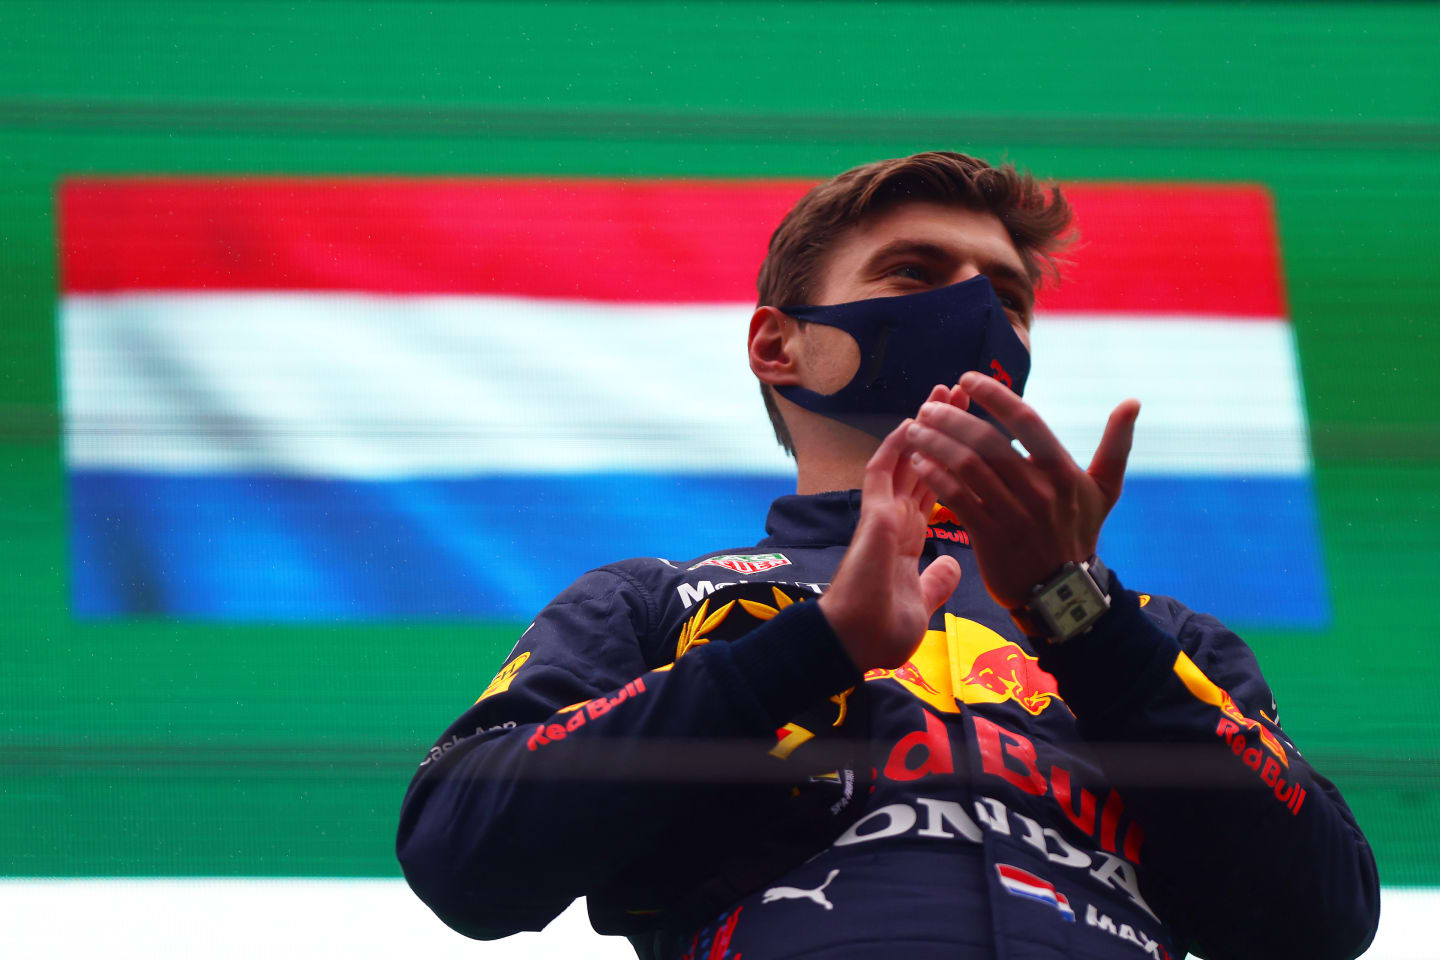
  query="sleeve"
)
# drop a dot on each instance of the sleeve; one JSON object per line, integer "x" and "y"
{"x": 1255, "y": 853}
{"x": 544, "y": 789}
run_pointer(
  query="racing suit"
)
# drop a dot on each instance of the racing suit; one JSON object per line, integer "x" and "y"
{"x": 1128, "y": 793}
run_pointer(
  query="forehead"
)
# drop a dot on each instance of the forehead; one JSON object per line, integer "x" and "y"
{"x": 968, "y": 236}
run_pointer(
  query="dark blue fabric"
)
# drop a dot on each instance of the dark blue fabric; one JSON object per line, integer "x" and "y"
{"x": 910, "y": 344}
{"x": 540, "y": 793}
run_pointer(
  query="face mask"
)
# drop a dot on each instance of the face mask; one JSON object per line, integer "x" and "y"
{"x": 909, "y": 344}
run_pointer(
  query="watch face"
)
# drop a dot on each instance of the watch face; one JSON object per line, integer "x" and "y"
{"x": 1073, "y": 603}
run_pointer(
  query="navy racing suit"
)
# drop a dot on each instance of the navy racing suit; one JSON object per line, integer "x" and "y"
{"x": 688, "y": 746}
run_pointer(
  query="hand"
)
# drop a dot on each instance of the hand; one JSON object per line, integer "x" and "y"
{"x": 879, "y": 603}
{"x": 1025, "y": 515}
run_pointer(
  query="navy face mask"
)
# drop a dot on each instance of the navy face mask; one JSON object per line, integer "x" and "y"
{"x": 909, "y": 344}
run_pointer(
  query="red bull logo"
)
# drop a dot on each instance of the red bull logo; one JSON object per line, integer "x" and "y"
{"x": 990, "y": 669}
{"x": 1202, "y": 688}
{"x": 926, "y": 674}
{"x": 1009, "y": 673}
{"x": 941, "y": 514}
{"x": 967, "y": 662}
{"x": 909, "y": 673}
{"x": 940, "y": 523}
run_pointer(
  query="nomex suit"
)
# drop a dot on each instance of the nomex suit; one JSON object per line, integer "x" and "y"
{"x": 1128, "y": 793}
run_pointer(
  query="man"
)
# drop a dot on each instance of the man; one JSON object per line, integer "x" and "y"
{"x": 944, "y": 730}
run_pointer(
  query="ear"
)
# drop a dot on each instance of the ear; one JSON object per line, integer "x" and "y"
{"x": 774, "y": 342}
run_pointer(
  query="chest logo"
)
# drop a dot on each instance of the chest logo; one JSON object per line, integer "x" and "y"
{"x": 967, "y": 662}
{"x": 746, "y": 562}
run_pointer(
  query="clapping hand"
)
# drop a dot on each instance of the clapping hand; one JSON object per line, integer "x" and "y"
{"x": 880, "y": 602}
{"x": 1026, "y": 515}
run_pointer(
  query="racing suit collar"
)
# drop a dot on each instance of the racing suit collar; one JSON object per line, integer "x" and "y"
{"x": 816, "y": 519}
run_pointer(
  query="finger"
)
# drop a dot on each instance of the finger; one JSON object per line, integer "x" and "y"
{"x": 958, "y": 398}
{"x": 1020, "y": 418}
{"x": 880, "y": 470}
{"x": 1107, "y": 467}
{"x": 938, "y": 581}
{"x": 969, "y": 430}
{"x": 938, "y": 394}
{"x": 917, "y": 492}
{"x": 954, "y": 494}
{"x": 967, "y": 464}
{"x": 906, "y": 478}
{"x": 924, "y": 496}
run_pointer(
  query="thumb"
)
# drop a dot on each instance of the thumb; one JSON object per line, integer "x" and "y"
{"x": 1107, "y": 467}
{"x": 938, "y": 581}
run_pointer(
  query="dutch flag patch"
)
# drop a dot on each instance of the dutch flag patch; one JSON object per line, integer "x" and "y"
{"x": 1022, "y": 883}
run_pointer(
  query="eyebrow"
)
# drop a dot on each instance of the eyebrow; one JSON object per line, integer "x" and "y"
{"x": 933, "y": 251}
{"x": 920, "y": 248}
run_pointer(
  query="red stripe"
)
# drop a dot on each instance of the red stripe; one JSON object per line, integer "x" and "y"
{"x": 1024, "y": 876}
{"x": 1146, "y": 248}
{"x": 1172, "y": 248}
{"x": 1110, "y": 820}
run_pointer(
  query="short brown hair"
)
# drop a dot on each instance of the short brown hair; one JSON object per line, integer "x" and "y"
{"x": 1038, "y": 222}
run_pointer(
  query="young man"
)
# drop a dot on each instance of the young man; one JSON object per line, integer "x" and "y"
{"x": 947, "y": 730}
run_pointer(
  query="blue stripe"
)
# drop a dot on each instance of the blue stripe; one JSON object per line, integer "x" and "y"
{"x": 1246, "y": 549}
{"x": 263, "y": 548}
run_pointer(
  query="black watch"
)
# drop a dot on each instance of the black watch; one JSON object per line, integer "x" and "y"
{"x": 1068, "y": 604}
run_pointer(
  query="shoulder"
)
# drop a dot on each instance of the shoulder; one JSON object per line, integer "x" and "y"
{"x": 1219, "y": 652}
{"x": 672, "y": 590}
{"x": 1193, "y": 629}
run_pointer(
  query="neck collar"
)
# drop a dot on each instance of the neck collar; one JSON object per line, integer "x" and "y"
{"x": 823, "y": 519}
{"x": 815, "y": 519}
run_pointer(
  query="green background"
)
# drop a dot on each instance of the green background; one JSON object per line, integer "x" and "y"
{"x": 163, "y": 748}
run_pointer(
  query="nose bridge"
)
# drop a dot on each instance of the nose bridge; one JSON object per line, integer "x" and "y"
{"x": 967, "y": 269}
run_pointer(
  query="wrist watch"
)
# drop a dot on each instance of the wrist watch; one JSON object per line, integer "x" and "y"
{"x": 1068, "y": 604}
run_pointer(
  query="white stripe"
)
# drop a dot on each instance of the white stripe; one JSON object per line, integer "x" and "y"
{"x": 358, "y": 386}
{"x": 360, "y": 919}
{"x": 1217, "y": 396}
{"x": 1028, "y": 889}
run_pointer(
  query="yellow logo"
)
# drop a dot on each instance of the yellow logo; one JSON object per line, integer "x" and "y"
{"x": 501, "y": 683}
{"x": 967, "y": 662}
{"x": 693, "y": 633}
{"x": 926, "y": 674}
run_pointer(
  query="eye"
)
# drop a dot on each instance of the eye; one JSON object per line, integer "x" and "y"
{"x": 1014, "y": 305}
{"x": 910, "y": 271}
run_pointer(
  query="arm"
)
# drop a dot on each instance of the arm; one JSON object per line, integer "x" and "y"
{"x": 1252, "y": 867}
{"x": 1256, "y": 853}
{"x": 524, "y": 805}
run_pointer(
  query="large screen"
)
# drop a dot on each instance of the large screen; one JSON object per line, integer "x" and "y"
{"x": 338, "y": 338}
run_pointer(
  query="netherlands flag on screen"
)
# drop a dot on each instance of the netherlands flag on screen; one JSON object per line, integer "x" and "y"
{"x": 382, "y": 399}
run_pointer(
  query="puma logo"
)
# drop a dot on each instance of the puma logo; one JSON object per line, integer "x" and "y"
{"x": 796, "y": 893}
